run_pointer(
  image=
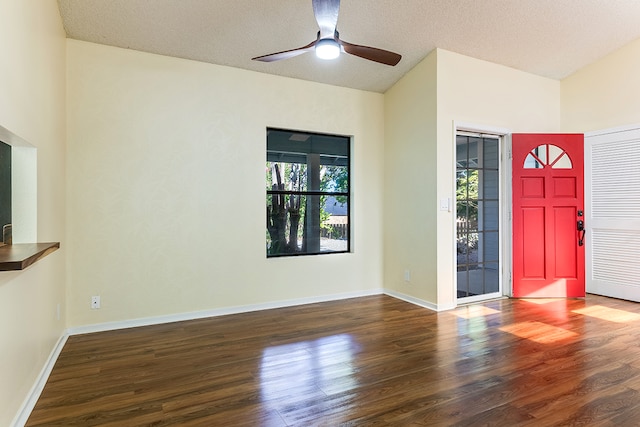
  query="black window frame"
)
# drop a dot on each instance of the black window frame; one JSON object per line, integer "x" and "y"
{"x": 295, "y": 157}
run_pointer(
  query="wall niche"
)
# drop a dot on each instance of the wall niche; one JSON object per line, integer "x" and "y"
{"x": 18, "y": 203}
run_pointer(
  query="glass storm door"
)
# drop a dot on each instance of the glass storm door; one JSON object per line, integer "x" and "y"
{"x": 478, "y": 216}
{"x": 548, "y": 215}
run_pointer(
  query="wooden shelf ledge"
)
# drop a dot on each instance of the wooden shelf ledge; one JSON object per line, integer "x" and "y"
{"x": 22, "y": 255}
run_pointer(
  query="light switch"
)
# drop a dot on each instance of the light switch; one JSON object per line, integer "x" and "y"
{"x": 445, "y": 204}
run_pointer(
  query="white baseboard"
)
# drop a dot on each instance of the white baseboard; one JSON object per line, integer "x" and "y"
{"x": 418, "y": 301}
{"x": 179, "y": 317}
{"x": 34, "y": 394}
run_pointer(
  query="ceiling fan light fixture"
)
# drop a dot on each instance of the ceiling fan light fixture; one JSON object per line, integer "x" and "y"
{"x": 328, "y": 44}
{"x": 327, "y": 49}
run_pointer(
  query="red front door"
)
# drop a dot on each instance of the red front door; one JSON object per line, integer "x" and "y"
{"x": 548, "y": 205}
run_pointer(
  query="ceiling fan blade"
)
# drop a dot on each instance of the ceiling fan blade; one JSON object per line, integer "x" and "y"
{"x": 326, "y": 12}
{"x": 286, "y": 54}
{"x": 371, "y": 53}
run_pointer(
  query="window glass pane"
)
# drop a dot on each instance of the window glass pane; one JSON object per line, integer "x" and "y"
{"x": 532, "y": 163}
{"x": 491, "y": 277}
{"x": 467, "y": 215}
{"x": 463, "y": 285}
{"x": 554, "y": 153}
{"x": 472, "y": 184}
{"x": 541, "y": 153}
{"x": 490, "y": 157}
{"x": 307, "y": 185}
{"x": 564, "y": 162}
{"x": 461, "y": 184}
{"x": 284, "y": 228}
{"x": 293, "y": 176}
{"x": 490, "y": 217}
{"x": 462, "y": 248}
{"x": 461, "y": 213}
{"x": 490, "y": 184}
{"x": 476, "y": 281}
{"x": 461, "y": 151}
{"x": 311, "y": 230}
{"x": 462, "y": 225}
{"x": 335, "y": 224}
{"x": 334, "y": 178}
{"x": 472, "y": 214}
{"x": 472, "y": 159}
{"x": 490, "y": 245}
{"x": 472, "y": 247}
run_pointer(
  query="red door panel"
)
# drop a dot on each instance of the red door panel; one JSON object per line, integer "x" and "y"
{"x": 565, "y": 243}
{"x": 548, "y": 200}
{"x": 533, "y": 240}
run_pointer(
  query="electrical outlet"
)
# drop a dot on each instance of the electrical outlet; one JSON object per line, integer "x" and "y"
{"x": 95, "y": 302}
{"x": 407, "y": 275}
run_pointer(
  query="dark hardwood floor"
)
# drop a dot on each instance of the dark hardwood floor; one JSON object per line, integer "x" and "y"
{"x": 372, "y": 361}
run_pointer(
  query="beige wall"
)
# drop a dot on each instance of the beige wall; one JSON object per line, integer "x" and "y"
{"x": 166, "y": 202}
{"x": 604, "y": 94}
{"x": 476, "y": 91}
{"x": 32, "y": 84}
{"x": 485, "y": 94}
{"x": 410, "y": 183}
{"x": 420, "y": 113}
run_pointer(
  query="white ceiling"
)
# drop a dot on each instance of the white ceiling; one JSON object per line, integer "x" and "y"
{"x": 551, "y": 38}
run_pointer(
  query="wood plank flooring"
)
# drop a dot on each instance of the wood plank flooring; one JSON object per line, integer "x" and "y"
{"x": 372, "y": 361}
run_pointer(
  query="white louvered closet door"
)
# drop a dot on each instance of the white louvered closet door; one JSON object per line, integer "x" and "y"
{"x": 612, "y": 204}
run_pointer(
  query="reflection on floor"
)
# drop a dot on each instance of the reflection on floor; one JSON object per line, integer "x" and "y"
{"x": 369, "y": 361}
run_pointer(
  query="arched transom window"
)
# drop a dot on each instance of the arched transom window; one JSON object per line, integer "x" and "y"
{"x": 547, "y": 155}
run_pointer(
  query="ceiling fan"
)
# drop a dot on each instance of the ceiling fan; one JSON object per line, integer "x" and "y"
{"x": 328, "y": 44}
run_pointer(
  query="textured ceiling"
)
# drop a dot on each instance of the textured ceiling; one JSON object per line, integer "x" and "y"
{"x": 551, "y": 38}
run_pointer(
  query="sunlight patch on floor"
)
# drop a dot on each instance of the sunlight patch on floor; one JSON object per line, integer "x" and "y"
{"x": 538, "y": 332}
{"x": 541, "y": 301}
{"x": 474, "y": 311}
{"x": 607, "y": 313}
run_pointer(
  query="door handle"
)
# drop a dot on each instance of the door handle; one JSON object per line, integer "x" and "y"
{"x": 581, "y": 232}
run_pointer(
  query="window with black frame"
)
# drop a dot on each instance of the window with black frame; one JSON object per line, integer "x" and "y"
{"x": 307, "y": 186}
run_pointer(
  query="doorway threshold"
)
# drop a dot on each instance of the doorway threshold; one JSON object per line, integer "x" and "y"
{"x": 461, "y": 302}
